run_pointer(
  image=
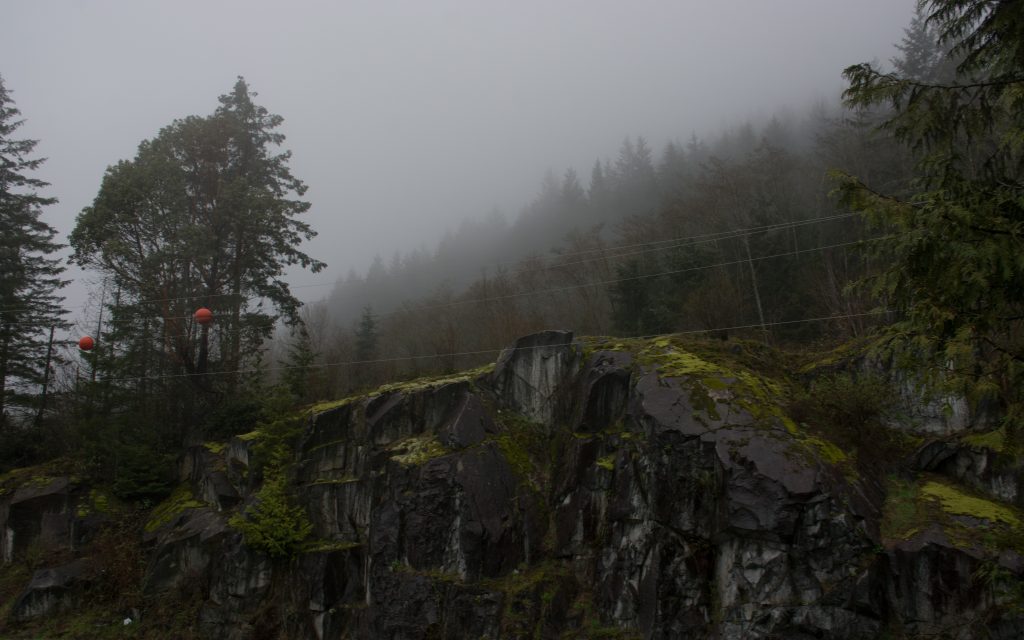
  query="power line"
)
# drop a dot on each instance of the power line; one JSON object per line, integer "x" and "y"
{"x": 680, "y": 241}
{"x": 631, "y": 278}
{"x": 525, "y": 294}
{"x": 479, "y": 351}
{"x": 710, "y": 237}
{"x": 686, "y": 242}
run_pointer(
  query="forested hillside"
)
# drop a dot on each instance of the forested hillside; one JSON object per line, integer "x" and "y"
{"x": 771, "y": 384}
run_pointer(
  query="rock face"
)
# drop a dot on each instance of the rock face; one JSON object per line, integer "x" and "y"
{"x": 584, "y": 490}
{"x": 54, "y": 590}
{"x": 38, "y": 512}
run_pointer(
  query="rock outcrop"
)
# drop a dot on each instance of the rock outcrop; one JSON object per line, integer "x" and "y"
{"x": 585, "y": 489}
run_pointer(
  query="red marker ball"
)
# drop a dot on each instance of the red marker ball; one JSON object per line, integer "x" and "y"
{"x": 86, "y": 343}
{"x": 204, "y": 316}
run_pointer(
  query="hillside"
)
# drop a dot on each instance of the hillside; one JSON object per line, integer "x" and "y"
{"x": 577, "y": 488}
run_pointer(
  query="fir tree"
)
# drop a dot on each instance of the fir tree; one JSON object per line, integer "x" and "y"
{"x": 366, "y": 336}
{"x": 206, "y": 214}
{"x": 29, "y": 276}
{"x": 955, "y": 269}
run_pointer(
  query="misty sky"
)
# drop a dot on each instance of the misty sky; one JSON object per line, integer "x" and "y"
{"x": 406, "y": 117}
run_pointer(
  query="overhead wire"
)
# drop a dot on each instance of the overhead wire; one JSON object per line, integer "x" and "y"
{"x": 562, "y": 289}
{"x": 477, "y": 351}
{"x": 725, "y": 235}
{"x": 680, "y": 241}
{"x": 631, "y": 278}
{"x": 711, "y": 236}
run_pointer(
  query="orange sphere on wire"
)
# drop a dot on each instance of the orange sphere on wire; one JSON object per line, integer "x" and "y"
{"x": 86, "y": 343}
{"x": 204, "y": 315}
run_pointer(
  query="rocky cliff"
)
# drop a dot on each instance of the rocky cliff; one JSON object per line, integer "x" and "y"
{"x": 576, "y": 489}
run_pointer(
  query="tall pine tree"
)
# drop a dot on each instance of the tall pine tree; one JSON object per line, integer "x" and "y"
{"x": 29, "y": 275}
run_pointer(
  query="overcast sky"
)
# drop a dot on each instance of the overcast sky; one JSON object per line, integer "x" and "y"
{"x": 406, "y": 117}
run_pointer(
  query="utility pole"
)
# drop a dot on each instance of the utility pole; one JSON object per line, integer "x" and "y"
{"x": 46, "y": 378}
{"x": 99, "y": 333}
{"x": 757, "y": 294}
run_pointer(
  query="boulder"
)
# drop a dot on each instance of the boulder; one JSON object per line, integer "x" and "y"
{"x": 54, "y": 590}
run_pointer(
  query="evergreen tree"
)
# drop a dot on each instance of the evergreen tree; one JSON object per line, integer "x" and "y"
{"x": 956, "y": 268}
{"x": 29, "y": 276}
{"x": 367, "y": 372}
{"x": 298, "y": 374}
{"x": 204, "y": 215}
{"x": 366, "y": 336}
{"x": 921, "y": 56}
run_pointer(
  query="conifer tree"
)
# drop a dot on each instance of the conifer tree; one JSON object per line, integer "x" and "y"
{"x": 955, "y": 269}
{"x": 29, "y": 275}
{"x": 206, "y": 214}
{"x": 366, "y": 336}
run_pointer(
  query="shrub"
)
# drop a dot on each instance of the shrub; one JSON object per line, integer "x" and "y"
{"x": 272, "y": 524}
{"x": 850, "y": 409}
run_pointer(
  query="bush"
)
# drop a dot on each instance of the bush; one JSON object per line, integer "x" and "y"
{"x": 850, "y": 409}
{"x": 272, "y": 524}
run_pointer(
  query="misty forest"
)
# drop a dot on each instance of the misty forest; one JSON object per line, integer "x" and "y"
{"x": 762, "y": 382}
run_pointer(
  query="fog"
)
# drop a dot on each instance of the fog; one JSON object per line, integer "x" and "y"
{"x": 406, "y": 117}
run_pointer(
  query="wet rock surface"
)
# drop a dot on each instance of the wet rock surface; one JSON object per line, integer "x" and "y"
{"x": 581, "y": 491}
{"x": 54, "y": 590}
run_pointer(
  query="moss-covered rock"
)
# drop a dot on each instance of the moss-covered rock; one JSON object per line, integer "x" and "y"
{"x": 180, "y": 500}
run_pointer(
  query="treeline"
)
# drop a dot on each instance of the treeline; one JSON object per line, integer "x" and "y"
{"x": 739, "y": 232}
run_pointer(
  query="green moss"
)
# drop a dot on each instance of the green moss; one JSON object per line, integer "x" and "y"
{"x": 417, "y": 450}
{"x": 167, "y": 510}
{"x": 913, "y": 505}
{"x": 827, "y": 450}
{"x": 419, "y": 384}
{"x": 994, "y": 440}
{"x": 903, "y": 514}
{"x": 524, "y": 445}
{"x": 321, "y": 407}
{"x": 607, "y": 462}
{"x": 252, "y": 435}
{"x": 957, "y": 502}
{"x": 717, "y": 377}
{"x": 327, "y": 546}
{"x": 40, "y": 474}
{"x": 341, "y": 480}
{"x": 38, "y": 482}
{"x": 676, "y": 363}
{"x": 215, "y": 447}
{"x": 593, "y": 344}
{"x": 790, "y": 425}
{"x": 98, "y": 501}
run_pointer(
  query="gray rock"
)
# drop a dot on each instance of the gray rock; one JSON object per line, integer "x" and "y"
{"x": 530, "y": 374}
{"x": 54, "y": 590}
{"x": 576, "y": 497}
